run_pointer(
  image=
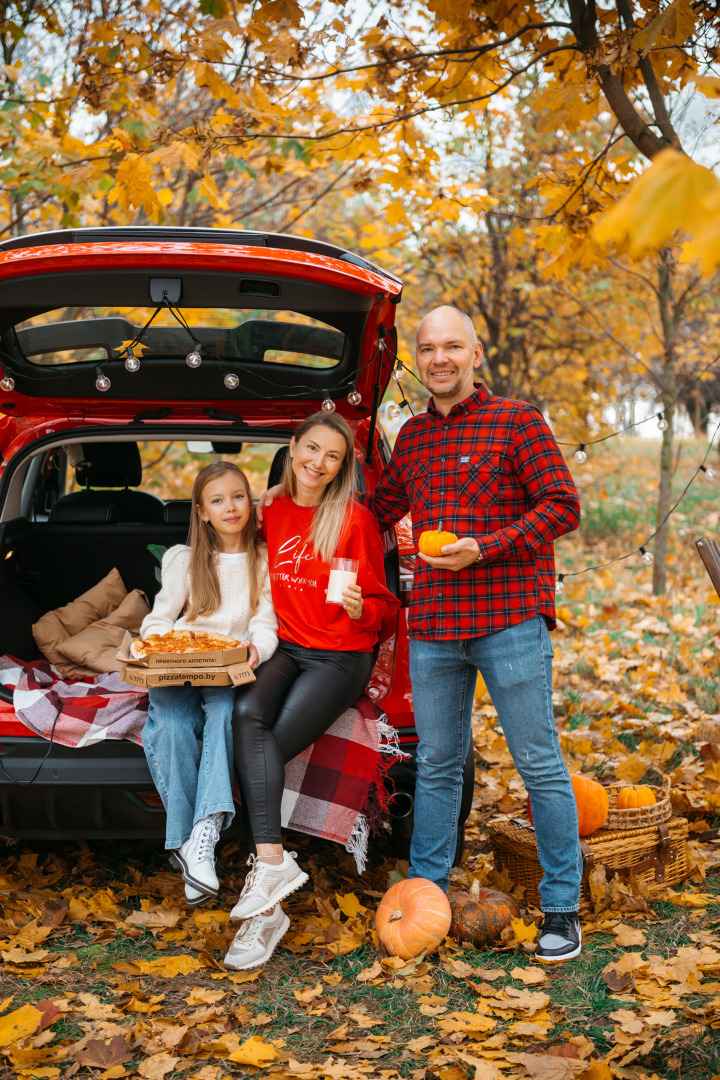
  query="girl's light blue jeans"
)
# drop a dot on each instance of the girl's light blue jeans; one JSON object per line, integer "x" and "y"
{"x": 193, "y": 782}
{"x": 516, "y": 664}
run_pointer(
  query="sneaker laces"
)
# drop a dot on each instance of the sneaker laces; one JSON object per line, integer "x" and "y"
{"x": 559, "y": 923}
{"x": 249, "y": 932}
{"x": 207, "y": 840}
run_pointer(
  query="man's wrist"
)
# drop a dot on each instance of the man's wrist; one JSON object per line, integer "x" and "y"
{"x": 479, "y": 558}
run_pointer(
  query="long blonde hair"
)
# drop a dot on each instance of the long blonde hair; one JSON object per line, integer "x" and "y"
{"x": 205, "y": 595}
{"x": 330, "y": 516}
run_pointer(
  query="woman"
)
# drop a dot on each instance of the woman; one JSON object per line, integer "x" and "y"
{"x": 322, "y": 663}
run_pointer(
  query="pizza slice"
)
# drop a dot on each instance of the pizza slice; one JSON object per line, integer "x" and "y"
{"x": 176, "y": 642}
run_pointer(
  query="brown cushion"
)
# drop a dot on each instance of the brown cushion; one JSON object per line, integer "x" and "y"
{"x": 95, "y": 648}
{"x": 65, "y": 622}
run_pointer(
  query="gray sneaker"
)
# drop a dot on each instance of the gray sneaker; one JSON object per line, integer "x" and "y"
{"x": 256, "y": 939}
{"x": 196, "y": 858}
{"x": 266, "y": 885}
{"x": 560, "y": 937}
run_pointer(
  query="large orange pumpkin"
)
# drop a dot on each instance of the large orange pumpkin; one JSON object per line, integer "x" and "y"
{"x": 481, "y": 915}
{"x": 631, "y": 797}
{"x": 592, "y": 804}
{"x": 432, "y": 541}
{"x": 414, "y": 914}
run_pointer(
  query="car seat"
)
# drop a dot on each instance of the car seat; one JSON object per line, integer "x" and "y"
{"x": 115, "y": 466}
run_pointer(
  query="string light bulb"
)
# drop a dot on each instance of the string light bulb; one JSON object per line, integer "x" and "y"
{"x": 102, "y": 382}
{"x": 354, "y": 397}
{"x": 193, "y": 359}
{"x": 131, "y": 361}
{"x": 394, "y": 410}
{"x": 397, "y": 373}
{"x": 662, "y": 422}
{"x": 231, "y": 381}
{"x": 647, "y": 557}
{"x": 580, "y": 455}
{"x": 560, "y": 584}
{"x": 328, "y": 404}
{"x": 7, "y": 383}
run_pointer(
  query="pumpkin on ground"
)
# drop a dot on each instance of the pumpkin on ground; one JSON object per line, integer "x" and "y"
{"x": 414, "y": 914}
{"x": 432, "y": 541}
{"x": 481, "y": 915}
{"x": 628, "y": 798}
{"x": 592, "y": 801}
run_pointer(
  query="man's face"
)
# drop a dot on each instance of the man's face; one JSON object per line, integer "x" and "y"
{"x": 446, "y": 357}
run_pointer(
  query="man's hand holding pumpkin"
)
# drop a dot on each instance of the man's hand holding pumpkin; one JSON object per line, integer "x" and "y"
{"x": 456, "y": 556}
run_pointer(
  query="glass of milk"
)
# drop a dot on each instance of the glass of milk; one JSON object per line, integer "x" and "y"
{"x": 343, "y": 572}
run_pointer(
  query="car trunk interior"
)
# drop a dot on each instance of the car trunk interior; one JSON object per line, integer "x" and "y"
{"x": 45, "y": 564}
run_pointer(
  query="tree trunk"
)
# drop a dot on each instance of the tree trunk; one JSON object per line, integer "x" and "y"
{"x": 669, "y": 392}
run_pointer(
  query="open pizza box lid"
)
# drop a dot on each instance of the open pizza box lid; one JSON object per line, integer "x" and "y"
{"x": 181, "y": 661}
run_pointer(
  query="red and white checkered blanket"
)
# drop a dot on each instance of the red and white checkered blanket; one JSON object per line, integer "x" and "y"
{"x": 329, "y": 788}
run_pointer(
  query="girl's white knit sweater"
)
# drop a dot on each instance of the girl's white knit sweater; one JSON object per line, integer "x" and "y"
{"x": 233, "y": 615}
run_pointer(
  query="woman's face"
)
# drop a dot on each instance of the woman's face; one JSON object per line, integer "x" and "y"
{"x": 317, "y": 458}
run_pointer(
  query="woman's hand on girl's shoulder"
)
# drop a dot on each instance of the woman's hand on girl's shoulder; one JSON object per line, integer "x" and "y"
{"x": 266, "y": 500}
{"x": 353, "y": 601}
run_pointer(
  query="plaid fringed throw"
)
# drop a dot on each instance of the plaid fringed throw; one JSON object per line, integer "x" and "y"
{"x": 334, "y": 789}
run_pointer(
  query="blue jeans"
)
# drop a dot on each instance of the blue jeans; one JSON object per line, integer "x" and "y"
{"x": 192, "y": 783}
{"x": 516, "y": 665}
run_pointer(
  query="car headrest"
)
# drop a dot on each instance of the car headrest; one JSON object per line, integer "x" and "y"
{"x": 277, "y": 467}
{"x": 87, "y": 513}
{"x": 108, "y": 465}
{"x": 177, "y": 512}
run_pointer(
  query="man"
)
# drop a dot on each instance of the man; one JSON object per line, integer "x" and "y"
{"x": 490, "y": 470}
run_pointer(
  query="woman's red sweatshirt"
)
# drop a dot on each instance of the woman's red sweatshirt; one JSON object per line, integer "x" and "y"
{"x": 299, "y": 579}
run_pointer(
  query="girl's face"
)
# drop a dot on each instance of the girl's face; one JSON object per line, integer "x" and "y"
{"x": 317, "y": 458}
{"x": 225, "y": 504}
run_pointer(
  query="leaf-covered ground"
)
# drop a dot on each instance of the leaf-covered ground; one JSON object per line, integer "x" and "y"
{"x": 106, "y": 973}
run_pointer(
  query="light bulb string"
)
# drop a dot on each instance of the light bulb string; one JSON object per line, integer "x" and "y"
{"x": 636, "y": 423}
{"x": 621, "y": 558}
{"x": 654, "y": 416}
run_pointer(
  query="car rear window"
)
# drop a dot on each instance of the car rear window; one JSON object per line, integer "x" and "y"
{"x": 77, "y": 335}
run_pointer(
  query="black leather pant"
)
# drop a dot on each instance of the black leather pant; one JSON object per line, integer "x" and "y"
{"x": 296, "y": 696}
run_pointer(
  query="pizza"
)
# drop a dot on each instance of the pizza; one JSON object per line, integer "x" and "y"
{"x": 181, "y": 641}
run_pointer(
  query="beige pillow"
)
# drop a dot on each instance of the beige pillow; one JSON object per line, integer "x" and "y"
{"x": 95, "y": 648}
{"x": 54, "y": 627}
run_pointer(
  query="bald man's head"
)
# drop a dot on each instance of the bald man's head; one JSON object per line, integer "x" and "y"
{"x": 449, "y": 311}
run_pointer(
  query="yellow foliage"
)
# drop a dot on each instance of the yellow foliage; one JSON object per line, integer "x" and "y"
{"x": 668, "y": 196}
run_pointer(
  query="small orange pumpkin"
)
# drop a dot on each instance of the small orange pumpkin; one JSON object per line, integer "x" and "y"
{"x": 432, "y": 541}
{"x": 414, "y": 914}
{"x": 481, "y": 915}
{"x": 630, "y": 797}
{"x": 592, "y": 801}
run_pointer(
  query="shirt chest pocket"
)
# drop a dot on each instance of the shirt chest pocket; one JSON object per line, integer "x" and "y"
{"x": 420, "y": 493}
{"x": 478, "y": 481}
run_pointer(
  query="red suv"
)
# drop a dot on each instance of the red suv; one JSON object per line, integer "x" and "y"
{"x": 235, "y": 337}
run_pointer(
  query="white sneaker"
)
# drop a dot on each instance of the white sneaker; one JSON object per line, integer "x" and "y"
{"x": 256, "y": 939}
{"x": 196, "y": 857}
{"x": 266, "y": 885}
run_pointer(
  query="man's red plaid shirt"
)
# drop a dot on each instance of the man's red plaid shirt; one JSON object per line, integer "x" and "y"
{"x": 492, "y": 470}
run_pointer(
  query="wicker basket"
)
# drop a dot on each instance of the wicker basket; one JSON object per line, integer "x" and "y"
{"x": 638, "y": 817}
{"x": 656, "y": 854}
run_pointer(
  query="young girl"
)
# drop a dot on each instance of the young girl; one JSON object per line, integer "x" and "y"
{"x": 222, "y": 577}
{"x": 322, "y": 663}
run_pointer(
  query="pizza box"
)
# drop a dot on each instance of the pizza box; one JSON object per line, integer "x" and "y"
{"x": 182, "y": 661}
{"x": 230, "y": 675}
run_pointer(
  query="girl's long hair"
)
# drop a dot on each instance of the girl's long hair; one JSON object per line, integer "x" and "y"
{"x": 330, "y": 516}
{"x": 205, "y": 595}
